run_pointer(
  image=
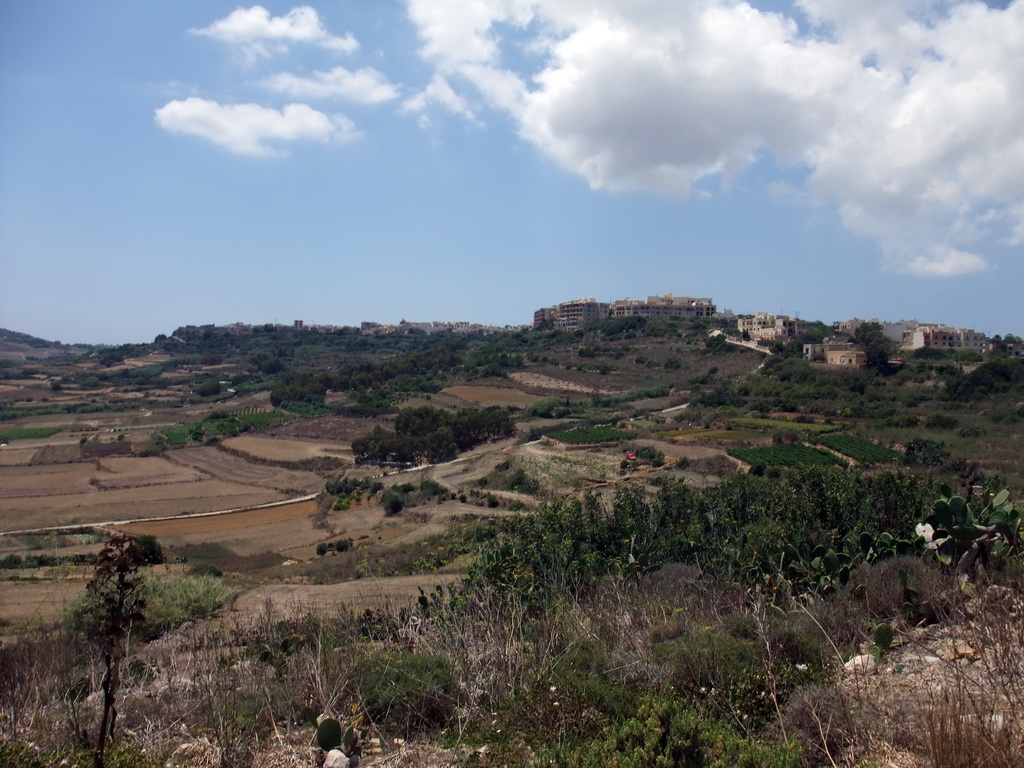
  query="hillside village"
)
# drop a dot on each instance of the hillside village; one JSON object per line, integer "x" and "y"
{"x": 639, "y": 533}
{"x": 765, "y": 328}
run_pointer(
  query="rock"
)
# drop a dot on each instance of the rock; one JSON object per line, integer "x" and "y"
{"x": 336, "y": 759}
{"x": 865, "y": 664}
{"x": 957, "y": 649}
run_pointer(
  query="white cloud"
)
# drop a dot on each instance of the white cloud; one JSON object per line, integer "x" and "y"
{"x": 366, "y": 85}
{"x": 249, "y": 129}
{"x": 906, "y": 114}
{"x": 256, "y": 33}
{"x": 942, "y": 261}
{"x": 438, "y": 91}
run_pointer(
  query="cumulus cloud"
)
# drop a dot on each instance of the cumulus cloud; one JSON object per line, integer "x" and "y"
{"x": 366, "y": 85}
{"x": 258, "y": 34}
{"x": 905, "y": 114}
{"x": 438, "y": 91}
{"x": 250, "y": 129}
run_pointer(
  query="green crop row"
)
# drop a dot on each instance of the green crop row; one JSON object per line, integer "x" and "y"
{"x": 27, "y": 433}
{"x": 859, "y": 449}
{"x": 765, "y": 424}
{"x": 785, "y": 456}
{"x": 177, "y": 434}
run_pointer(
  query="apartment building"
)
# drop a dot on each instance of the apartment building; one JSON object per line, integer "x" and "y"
{"x": 765, "y": 326}
{"x": 570, "y": 315}
{"x": 580, "y": 312}
{"x": 664, "y": 306}
{"x": 936, "y": 336}
{"x": 892, "y": 331}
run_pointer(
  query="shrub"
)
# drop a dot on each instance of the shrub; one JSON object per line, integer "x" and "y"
{"x": 206, "y": 569}
{"x": 151, "y": 549}
{"x": 393, "y": 501}
{"x": 927, "y": 453}
{"x": 173, "y": 600}
{"x": 665, "y": 732}
{"x": 940, "y": 421}
{"x": 723, "y": 671}
{"x": 413, "y": 693}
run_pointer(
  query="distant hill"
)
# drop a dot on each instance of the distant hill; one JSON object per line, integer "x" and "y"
{"x": 22, "y": 346}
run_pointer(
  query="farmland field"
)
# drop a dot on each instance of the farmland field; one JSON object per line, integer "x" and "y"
{"x": 277, "y": 449}
{"x": 11, "y": 456}
{"x": 859, "y": 449}
{"x": 487, "y": 396}
{"x": 27, "y": 433}
{"x": 587, "y": 435}
{"x": 784, "y": 455}
{"x": 94, "y": 506}
{"x": 246, "y": 532}
{"x": 698, "y": 433}
{"x": 235, "y": 469}
{"x": 812, "y": 427}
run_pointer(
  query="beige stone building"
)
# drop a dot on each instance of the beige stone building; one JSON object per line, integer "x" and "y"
{"x": 766, "y": 327}
{"x": 664, "y": 306}
{"x": 571, "y": 315}
{"x": 935, "y": 336}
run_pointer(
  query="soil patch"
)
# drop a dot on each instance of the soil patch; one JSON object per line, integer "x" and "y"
{"x": 281, "y": 449}
{"x": 488, "y": 396}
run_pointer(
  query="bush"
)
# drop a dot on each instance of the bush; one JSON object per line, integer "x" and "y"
{"x": 665, "y": 732}
{"x": 723, "y": 671}
{"x": 927, "y": 453}
{"x": 940, "y": 421}
{"x": 173, "y": 600}
{"x": 206, "y": 569}
{"x": 151, "y": 549}
{"x": 412, "y": 693}
{"x": 393, "y": 501}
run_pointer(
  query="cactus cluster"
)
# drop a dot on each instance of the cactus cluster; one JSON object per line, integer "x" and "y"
{"x": 330, "y": 734}
{"x": 968, "y": 532}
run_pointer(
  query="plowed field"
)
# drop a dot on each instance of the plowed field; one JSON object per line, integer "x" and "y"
{"x": 234, "y": 469}
{"x": 280, "y": 449}
{"x": 128, "y": 503}
{"x": 487, "y": 396}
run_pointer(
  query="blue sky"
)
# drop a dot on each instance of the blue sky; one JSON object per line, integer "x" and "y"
{"x": 174, "y": 161}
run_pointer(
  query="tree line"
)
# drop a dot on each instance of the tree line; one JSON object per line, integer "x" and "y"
{"x": 432, "y": 434}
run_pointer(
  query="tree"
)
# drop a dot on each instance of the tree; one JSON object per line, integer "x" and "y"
{"x": 879, "y": 347}
{"x": 114, "y": 604}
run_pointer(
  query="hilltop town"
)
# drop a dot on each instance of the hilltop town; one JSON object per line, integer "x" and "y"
{"x": 764, "y": 328}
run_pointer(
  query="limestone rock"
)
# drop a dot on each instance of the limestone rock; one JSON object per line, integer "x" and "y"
{"x": 864, "y": 664}
{"x": 336, "y": 759}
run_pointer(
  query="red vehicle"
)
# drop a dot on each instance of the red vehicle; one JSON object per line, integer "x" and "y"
{"x": 630, "y": 455}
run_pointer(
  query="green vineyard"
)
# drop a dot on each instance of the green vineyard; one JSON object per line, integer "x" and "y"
{"x": 785, "y": 456}
{"x": 859, "y": 449}
{"x": 27, "y": 433}
{"x": 225, "y": 423}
